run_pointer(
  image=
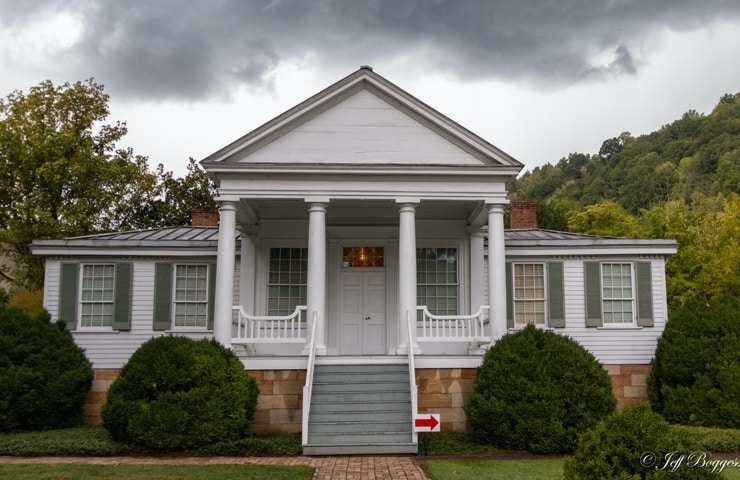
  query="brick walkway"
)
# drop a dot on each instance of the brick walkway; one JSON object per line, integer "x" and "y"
{"x": 326, "y": 468}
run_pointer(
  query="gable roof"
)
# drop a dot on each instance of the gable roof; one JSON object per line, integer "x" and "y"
{"x": 371, "y": 87}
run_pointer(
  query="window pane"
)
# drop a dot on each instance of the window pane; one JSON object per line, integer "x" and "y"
{"x": 436, "y": 278}
{"x": 191, "y": 295}
{"x": 96, "y": 295}
{"x": 617, "y": 292}
{"x": 287, "y": 280}
{"x": 529, "y": 293}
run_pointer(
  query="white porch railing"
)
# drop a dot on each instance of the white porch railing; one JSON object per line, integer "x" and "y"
{"x": 308, "y": 387}
{"x": 270, "y": 329}
{"x": 452, "y": 328}
{"x": 412, "y": 380}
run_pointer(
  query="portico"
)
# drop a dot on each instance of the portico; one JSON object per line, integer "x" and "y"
{"x": 362, "y": 164}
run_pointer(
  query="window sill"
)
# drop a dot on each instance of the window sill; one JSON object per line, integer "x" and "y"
{"x": 188, "y": 330}
{"x": 95, "y": 330}
{"x": 619, "y": 327}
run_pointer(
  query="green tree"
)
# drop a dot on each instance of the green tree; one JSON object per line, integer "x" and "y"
{"x": 61, "y": 173}
{"x": 607, "y": 218}
{"x": 174, "y": 198}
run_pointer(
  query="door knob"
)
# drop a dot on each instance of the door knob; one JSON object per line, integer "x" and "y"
{"x": 367, "y": 318}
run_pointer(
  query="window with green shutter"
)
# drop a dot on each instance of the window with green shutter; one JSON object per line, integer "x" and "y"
{"x": 618, "y": 293}
{"x": 95, "y": 295}
{"x": 535, "y": 294}
{"x": 183, "y": 296}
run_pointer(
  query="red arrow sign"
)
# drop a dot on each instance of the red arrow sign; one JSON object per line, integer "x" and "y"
{"x": 426, "y": 423}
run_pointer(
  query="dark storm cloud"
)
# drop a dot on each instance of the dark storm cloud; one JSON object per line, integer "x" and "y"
{"x": 195, "y": 49}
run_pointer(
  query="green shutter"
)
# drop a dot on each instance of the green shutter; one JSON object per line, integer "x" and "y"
{"x": 556, "y": 295}
{"x": 592, "y": 286}
{"x": 211, "y": 293}
{"x": 509, "y": 297}
{"x": 162, "y": 296}
{"x": 644, "y": 294}
{"x": 68, "y": 278}
{"x": 122, "y": 292}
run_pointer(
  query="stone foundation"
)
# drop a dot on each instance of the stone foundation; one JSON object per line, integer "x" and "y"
{"x": 445, "y": 391}
{"x": 97, "y": 395}
{"x": 629, "y": 383}
{"x": 280, "y": 403}
{"x": 441, "y": 390}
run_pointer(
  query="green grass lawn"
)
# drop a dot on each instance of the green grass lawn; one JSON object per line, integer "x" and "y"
{"x": 495, "y": 469}
{"x": 512, "y": 470}
{"x": 154, "y": 472}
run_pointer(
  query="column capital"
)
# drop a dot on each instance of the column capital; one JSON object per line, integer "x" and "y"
{"x": 227, "y": 206}
{"x": 317, "y": 207}
{"x": 495, "y": 207}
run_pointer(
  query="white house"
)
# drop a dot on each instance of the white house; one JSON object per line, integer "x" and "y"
{"x": 360, "y": 269}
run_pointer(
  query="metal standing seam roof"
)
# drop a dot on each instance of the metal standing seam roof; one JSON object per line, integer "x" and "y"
{"x": 186, "y": 236}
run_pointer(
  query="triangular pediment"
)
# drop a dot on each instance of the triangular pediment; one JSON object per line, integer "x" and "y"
{"x": 362, "y": 120}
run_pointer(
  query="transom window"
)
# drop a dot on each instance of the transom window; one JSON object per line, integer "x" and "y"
{"x": 362, "y": 257}
{"x": 529, "y": 293}
{"x": 287, "y": 280}
{"x": 436, "y": 280}
{"x": 96, "y": 296}
{"x": 191, "y": 296}
{"x": 616, "y": 286}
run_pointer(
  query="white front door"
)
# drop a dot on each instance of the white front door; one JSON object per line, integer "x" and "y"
{"x": 362, "y": 312}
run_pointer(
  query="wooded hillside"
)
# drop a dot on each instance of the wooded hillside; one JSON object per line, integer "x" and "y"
{"x": 681, "y": 181}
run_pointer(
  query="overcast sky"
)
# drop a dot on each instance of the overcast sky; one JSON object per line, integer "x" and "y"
{"x": 538, "y": 78}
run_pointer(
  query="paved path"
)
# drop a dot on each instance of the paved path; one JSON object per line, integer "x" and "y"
{"x": 326, "y": 468}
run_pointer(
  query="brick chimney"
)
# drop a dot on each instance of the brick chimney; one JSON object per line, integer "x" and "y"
{"x": 523, "y": 215}
{"x": 204, "y": 217}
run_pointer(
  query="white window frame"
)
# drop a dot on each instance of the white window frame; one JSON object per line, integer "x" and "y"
{"x": 269, "y": 284}
{"x": 82, "y": 302}
{"x": 624, "y": 300}
{"x": 458, "y": 272}
{"x": 543, "y": 300}
{"x": 176, "y": 302}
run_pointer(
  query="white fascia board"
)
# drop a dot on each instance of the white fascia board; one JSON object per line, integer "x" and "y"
{"x": 224, "y": 169}
{"x": 576, "y": 250}
{"x": 124, "y": 252}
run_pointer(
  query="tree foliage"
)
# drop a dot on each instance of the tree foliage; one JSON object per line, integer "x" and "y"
{"x": 62, "y": 174}
{"x": 681, "y": 181}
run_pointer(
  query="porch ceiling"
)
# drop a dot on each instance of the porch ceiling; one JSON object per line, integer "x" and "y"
{"x": 355, "y": 212}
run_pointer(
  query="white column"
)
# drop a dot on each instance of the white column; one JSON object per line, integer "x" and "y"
{"x": 496, "y": 271}
{"x": 225, "y": 273}
{"x": 316, "y": 286}
{"x": 407, "y": 277}
{"x": 477, "y": 275}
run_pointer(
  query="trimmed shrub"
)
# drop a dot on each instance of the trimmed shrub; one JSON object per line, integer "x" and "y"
{"x": 635, "y": 444}
{"x": 178, "y": 394}
{"x": 538, "y": 390}
{"x": 695, "y": 375}
{"x": 44, "y": 375}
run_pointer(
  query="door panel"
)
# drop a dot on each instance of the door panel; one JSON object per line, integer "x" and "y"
{"x": 362, "y": 312}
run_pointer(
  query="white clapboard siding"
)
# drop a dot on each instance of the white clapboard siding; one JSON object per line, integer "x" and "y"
{"x": 609, "y": 345}
{"x": 362, "y": 129}
{"x": 111, "y": 349}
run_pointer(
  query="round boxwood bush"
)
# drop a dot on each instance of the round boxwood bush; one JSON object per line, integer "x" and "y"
{"x": 636, "y": 443}
{"x": 44, "y": 375}
{"x": 176, "y": 393}
{"x": 695, "y": 375}
{"x": 538, "y": 390}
